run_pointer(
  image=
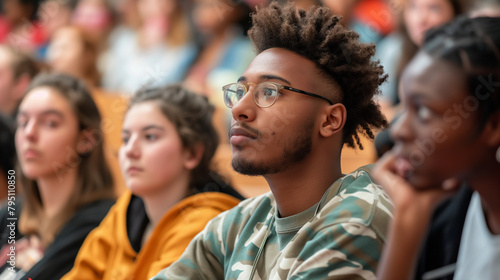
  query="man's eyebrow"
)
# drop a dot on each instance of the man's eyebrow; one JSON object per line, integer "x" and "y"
{"x": 274, "y": 77}
{"x": 266, "y": 77}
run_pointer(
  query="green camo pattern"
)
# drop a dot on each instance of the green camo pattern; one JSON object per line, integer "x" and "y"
{"x": 343, "y": 240}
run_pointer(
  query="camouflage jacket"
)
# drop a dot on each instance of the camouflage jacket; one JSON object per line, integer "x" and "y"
{"x": 341, "y": 237}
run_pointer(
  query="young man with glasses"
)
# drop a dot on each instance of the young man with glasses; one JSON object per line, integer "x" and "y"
{"x": 308, "y": 92}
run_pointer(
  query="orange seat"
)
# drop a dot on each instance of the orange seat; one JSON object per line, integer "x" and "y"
{"x": 112, "y": 108}
{"x": 351, "y": 158}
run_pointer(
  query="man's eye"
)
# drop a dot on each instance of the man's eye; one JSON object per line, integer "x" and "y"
{"x": 268, "y": 92}
{"x": 240, "y": 92}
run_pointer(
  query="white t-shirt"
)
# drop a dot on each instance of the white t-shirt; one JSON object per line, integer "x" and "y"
{"x": 479, "y": 253}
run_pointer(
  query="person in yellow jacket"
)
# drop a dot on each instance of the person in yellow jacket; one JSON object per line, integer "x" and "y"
{"x": 168, "y": 143}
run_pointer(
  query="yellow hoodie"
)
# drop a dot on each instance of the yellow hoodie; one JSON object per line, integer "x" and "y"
{"x": 107, "y": 252}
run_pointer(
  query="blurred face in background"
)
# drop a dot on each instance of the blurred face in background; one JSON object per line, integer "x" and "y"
{"x": 12, "y": 88}
{"x": 345, "y": 8}
{"x": 47, "y": 133}
{"x": 422, "y": 15}
{"x": 127, "y": 13}
{"x": 67, "y": 52}
{"x": 14, "y": 11}
{"x": 94, "y": 17}
{"x": 212, "y": 15}
{"x": 156, "y": 18}
{"x": 154, "y": 9}
{"x": 52, "y": 15}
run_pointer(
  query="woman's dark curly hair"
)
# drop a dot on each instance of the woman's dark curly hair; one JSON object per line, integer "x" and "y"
{"x": 319, "y": 36}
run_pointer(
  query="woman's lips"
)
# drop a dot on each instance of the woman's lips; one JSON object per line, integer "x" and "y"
{"x": 403, "y": 167}
{"x": 134, "y": 170}
{"x": 31, "y": 154}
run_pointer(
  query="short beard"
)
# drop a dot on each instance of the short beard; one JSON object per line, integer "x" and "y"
{"x": 293, "y": 152}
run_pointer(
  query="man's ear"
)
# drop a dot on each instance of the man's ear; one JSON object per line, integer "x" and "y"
{"x": 192, "y": 156}
{"x": 334, "y": 120}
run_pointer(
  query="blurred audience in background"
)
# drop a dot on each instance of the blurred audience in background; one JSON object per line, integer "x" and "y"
{"x": 142, "y": 43}
{"x": 96, "y": 18}
{"x": 127, "y": 16}
{"x": 361, "y": 22}
{"x": 73, "y": 52}
{"x": 18, "y": 24}
{"x": 396, "y": 50}
{"x": 224, "y": 51}
{"x": 158, "y": 52}
{"x": 17, "y": 69}
{"x": 52, "y": 15}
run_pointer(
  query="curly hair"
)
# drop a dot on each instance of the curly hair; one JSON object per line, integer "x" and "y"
{"x": 319, "y": 36}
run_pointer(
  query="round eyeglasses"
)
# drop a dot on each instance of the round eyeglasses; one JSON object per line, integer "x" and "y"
{"x": 265, "y": 94}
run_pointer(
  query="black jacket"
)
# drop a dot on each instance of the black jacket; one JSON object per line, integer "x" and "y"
{"x": 439, "y": 252}
{"x": 59, "y": 257}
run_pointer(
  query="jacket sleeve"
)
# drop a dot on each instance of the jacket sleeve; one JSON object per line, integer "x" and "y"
{"x": 191, "y": 222}
{"x": 202, "y": 259}
{"x": 91, "y": 260}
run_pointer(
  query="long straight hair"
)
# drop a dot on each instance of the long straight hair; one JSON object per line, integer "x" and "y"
{"x": 94, "y": 180}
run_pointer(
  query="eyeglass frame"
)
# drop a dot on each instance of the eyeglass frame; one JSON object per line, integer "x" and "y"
{"x": 278, "y": 87}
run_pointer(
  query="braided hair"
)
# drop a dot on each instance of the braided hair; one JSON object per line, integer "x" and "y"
{"x": 473, "y": 44}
